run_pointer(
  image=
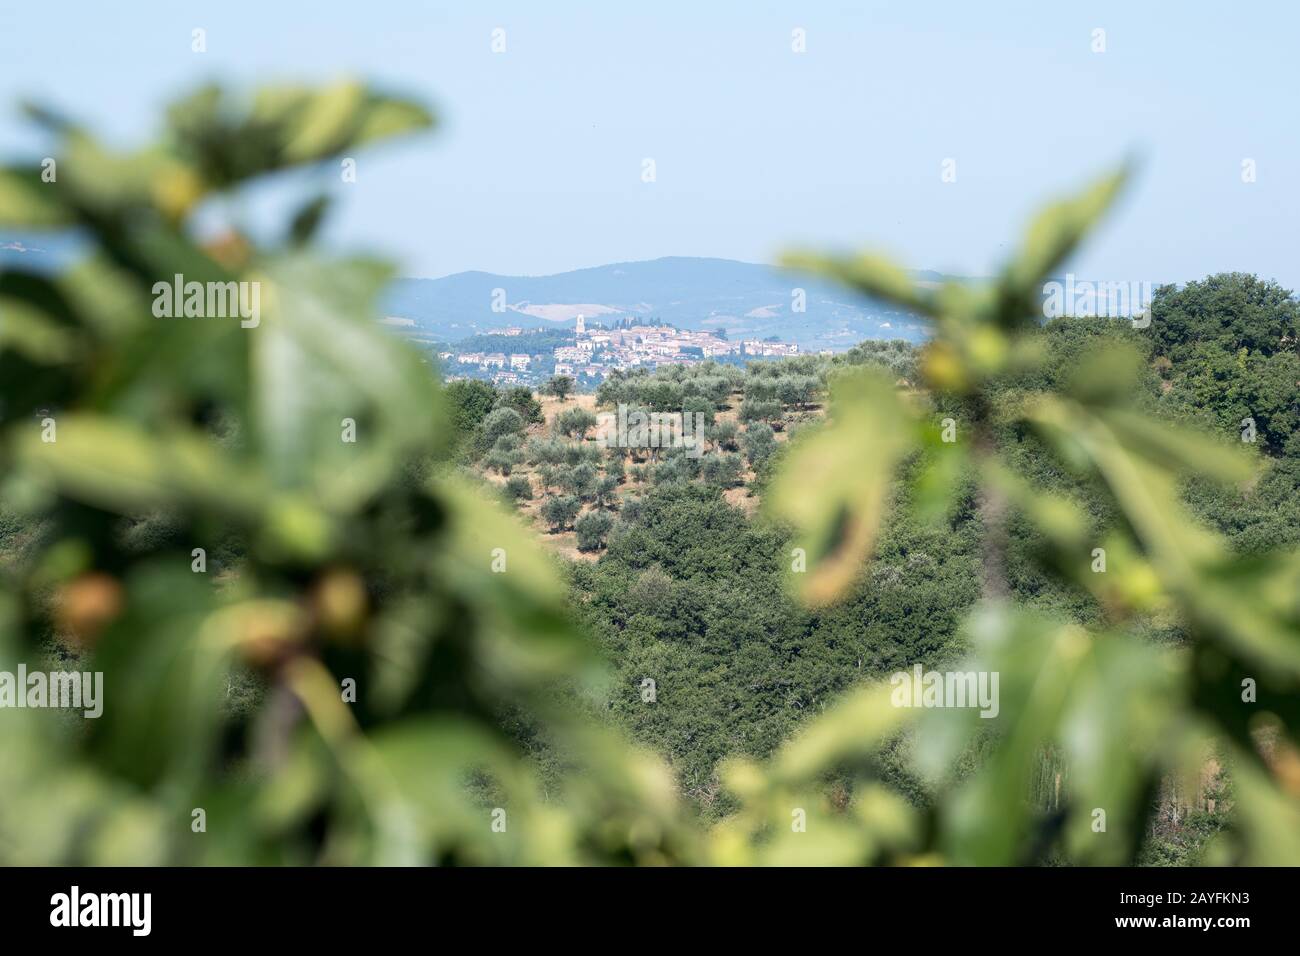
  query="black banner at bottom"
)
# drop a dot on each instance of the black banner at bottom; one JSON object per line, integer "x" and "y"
{"x": 334, "y": 906}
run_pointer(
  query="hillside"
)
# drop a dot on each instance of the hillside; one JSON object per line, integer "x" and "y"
{"x": 677, "y": 572}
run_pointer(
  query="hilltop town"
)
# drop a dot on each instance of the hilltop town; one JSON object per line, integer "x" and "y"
{"x": 517, "y": 356}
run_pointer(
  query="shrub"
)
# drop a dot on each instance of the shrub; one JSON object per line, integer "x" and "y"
{"x": 520, "y": 398}
{"x": 604, "y": 491}
{"x": 560, "y": 386}
{"x": 760, "y": 444}
{"x": 723, "y": 435}
{"x": 579, "y": 480}
{"x": 559, "y": 512}
{"x": 574, "y": 423}
{"x": 519, "y": 487}
{"x": 502, "y": 462}
{"x": 501, "y": 421}
{"x": 752, "y": 410}
{"x": 545, "y": 451}
{"x": 592, "y": 530}
{"x": 721, "y": 468}
{"x": 697, "y": 404}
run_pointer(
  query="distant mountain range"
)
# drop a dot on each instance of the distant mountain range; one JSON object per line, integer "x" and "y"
{"x": 741, "y": 299}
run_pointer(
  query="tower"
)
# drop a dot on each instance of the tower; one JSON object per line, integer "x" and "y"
{"x": 582, "y": 325}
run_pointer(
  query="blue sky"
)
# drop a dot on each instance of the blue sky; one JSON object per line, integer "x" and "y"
{"x": 536, "y": 167}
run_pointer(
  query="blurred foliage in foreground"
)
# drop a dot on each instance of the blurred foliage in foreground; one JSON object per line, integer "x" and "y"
{"x": 1122, "y": 715}
{"x": 332, "y": 561}
{"x": 351, "y": 560}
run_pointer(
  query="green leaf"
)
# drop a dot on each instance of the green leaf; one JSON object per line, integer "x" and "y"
{"x": 490, "y": 555}
{"x": 940, "y": 477}
{"x": 1179, "y": 450}
{"x": 1094, "y": 706}
{"x": 869, "y": 273}
{"x": 318, "y": 360}
{"x": 832, "y": 486}
{"x": 1269, "y": 817}
{"x": 163, "y": 680}
{"x": 121, "y": 467}
{"x": 229, "y": 141}
{"x": 27, "y": 202}
{"x": 855, "y": 727}
{"x": 1055, "y": 232}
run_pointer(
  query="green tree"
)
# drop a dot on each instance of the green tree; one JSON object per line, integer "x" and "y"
{"x": 605, "y": 491}
{"x": 721, "y": 469}
{"x": 616, "y": 468}
{"x": 501, "y": 422}
{"x": 559, "y": 512}
{"x": 521, "y": 399}
{"x": 561, "y": 386}
{"x": 502, "y": 461}
{"x": 798, "y": 390}
{"x": 579, "y": 480}
{"x": 575, "y": 423}
{"x": 752, "y": 410}
{"x": 1229, "y": 311}
{"x": 723, "y": 435}
{"x": 760, "y": 444}
{"x": 545, "y": 451}
{"x": 592, "y": 529}
{"x": 698, "y": 405}
{"x": 468, "y": 401}
{"x": 519, "y": 488}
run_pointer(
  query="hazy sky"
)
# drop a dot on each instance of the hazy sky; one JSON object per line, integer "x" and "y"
{"x": 537, "y": 165}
